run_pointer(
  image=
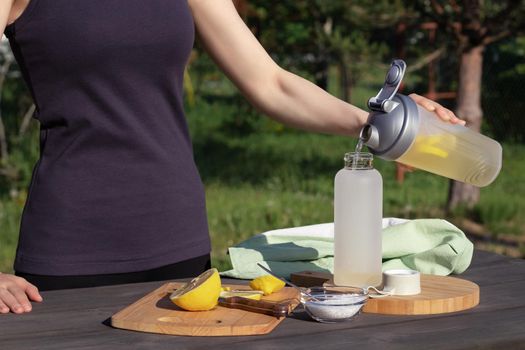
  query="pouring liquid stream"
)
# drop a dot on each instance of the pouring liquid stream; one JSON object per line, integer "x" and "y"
{"x": 358, "y": 149}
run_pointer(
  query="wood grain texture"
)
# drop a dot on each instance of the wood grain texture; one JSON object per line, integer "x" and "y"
{"x": 439, "y": 294}
{"x": 155, "y": 313}
{"x": 79, "y": 319}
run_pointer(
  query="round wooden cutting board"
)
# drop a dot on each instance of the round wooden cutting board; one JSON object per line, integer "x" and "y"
{"x": 439, "y": 294}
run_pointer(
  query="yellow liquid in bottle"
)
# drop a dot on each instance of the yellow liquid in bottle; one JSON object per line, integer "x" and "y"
{"x": 456, "y": 156}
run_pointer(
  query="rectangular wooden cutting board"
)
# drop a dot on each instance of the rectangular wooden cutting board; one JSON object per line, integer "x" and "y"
{"x": 155, "y": 313}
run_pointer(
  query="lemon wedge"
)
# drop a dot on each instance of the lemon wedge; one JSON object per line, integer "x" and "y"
{"x": 249, "y": 294}
{"x": 436, "y": 145}
{"x": 267, "y": 284}
{"x": 200, "y": 294}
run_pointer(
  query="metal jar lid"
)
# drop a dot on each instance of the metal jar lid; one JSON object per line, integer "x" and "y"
{"x": 394, "y": 121}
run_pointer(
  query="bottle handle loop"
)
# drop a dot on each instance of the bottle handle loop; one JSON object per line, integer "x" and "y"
{"x": 383, "y": 101}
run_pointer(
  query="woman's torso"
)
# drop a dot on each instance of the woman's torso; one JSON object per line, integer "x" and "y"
{"x": 116, "y": 188}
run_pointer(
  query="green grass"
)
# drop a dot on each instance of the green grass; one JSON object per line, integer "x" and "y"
{"x": 502, "y": 203}
{"x": 238, "y": 212}
{"x": 265, "y": 181}
{"x": 260, "y": 176}
{"x": 10, "y": 212}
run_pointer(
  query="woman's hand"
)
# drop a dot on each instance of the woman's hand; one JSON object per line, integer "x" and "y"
{"x": 15, "y": 293}
{"x": 442, "y": 112}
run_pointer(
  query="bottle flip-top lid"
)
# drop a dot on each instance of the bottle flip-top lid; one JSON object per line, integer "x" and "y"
{"x": 393, "y": 123}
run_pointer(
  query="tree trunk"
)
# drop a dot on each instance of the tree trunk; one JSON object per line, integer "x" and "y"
{"x": 346, "y": 81}
{"x": 321, "y": 73}
{"x": 469, "y": 109}
{"x": 4, "y": 153}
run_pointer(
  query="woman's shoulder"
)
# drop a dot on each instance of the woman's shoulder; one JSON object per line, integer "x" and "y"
{"x": 15, "y": 9}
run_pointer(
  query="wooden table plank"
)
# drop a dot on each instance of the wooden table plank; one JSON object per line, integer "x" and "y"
{"x": 74, "y": 319}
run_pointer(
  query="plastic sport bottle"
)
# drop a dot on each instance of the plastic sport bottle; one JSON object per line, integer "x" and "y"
{"x": 358, "y": 215}
{"x": 399, "y": 129}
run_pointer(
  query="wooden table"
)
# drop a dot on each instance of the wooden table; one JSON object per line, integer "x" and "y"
{"x": 78, "y": 319}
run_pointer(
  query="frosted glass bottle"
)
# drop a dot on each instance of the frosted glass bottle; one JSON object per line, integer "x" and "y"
{"x": 358, "y": 212}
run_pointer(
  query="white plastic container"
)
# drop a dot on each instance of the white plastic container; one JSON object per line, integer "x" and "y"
{"x": 399, "y": 129}
{"x": 453, "y": 151}
{"x": 358, "y": 211}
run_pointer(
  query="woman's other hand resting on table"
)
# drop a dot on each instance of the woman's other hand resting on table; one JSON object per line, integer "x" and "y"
{"x": 16, "y": 293}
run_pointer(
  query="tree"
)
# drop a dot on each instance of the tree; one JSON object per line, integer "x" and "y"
{"x": 7, "y": 59}
{"x": 503, "y": 75}
{"x": 472, "y": 25}
{"x": 310, "y": 36}
{"x": 16, "y": 143}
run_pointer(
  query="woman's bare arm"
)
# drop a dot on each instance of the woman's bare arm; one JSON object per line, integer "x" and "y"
{"x": 282, "y": 95}
{"x": 5, "y": 11}
{"x": 13, "y": 10}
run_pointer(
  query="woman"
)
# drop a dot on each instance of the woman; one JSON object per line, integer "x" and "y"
{"x": 115, "y": 196}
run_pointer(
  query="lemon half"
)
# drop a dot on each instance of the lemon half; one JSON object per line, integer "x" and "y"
{"x": 200, "y": 294}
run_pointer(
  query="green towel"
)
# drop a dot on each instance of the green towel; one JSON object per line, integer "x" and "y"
{"x": 430, "y": 246}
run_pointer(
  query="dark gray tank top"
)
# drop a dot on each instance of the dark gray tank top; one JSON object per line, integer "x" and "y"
{"x": 116, "y": 188}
